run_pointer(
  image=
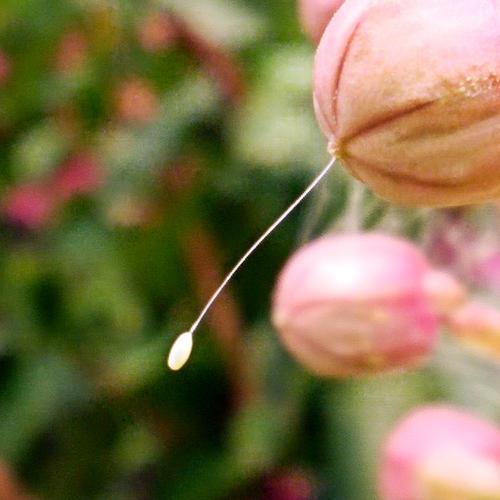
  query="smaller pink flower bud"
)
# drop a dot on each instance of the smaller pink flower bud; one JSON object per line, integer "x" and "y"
{"x": 30, "y": 206}
{"x": 316, "y": 14}
{"x": 355, "y": 304}
{"x": 81, "y": 174}
{"x": 444, "y": 292}
{"x": 477, "y": 325}
{"x": 439, "y": 453}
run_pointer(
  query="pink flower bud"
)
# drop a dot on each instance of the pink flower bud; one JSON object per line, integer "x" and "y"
{"x": 478, "y": 325}
{"x": 316, "y": 14}
{"x": 408, "y": 94}
{"x": 441, "y": 453}
{"x": 81, "y": 174}
{"x": 30, "y": 206}
{"x": 355, "y": 304}
{"x": 444, "y": 292}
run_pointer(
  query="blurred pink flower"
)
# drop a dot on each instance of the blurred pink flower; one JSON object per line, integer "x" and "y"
{"x": 136, "y": 102}
{"x": 29, "y": 205}
{"x": 157, "y": 32}
{"x": 80, "y": 174}
{"x": 447, "y": 234}
{"x": 441, "y": 453}
{"x": 467, "y": 250}
{"x": 355, "y": 304}
{"x": 486, "y": 273}
{"x": 72, "y": 52}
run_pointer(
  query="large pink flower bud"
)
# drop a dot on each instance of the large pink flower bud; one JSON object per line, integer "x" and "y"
{"x": 408, "y": 94}
{"x": 355, "y": 304}
{"x": 440, "y": 453}
{"x": 316, "y": 14}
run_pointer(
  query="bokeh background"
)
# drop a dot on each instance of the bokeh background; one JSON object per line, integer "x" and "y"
{"x": 143, "y": 147}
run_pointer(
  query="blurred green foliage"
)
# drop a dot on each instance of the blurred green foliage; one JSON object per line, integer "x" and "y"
{"x": 201, "y": 140}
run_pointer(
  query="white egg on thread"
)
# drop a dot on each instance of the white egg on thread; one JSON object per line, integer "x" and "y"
{"x": 180, "y": 351}
{"x": 183, "y": 345}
